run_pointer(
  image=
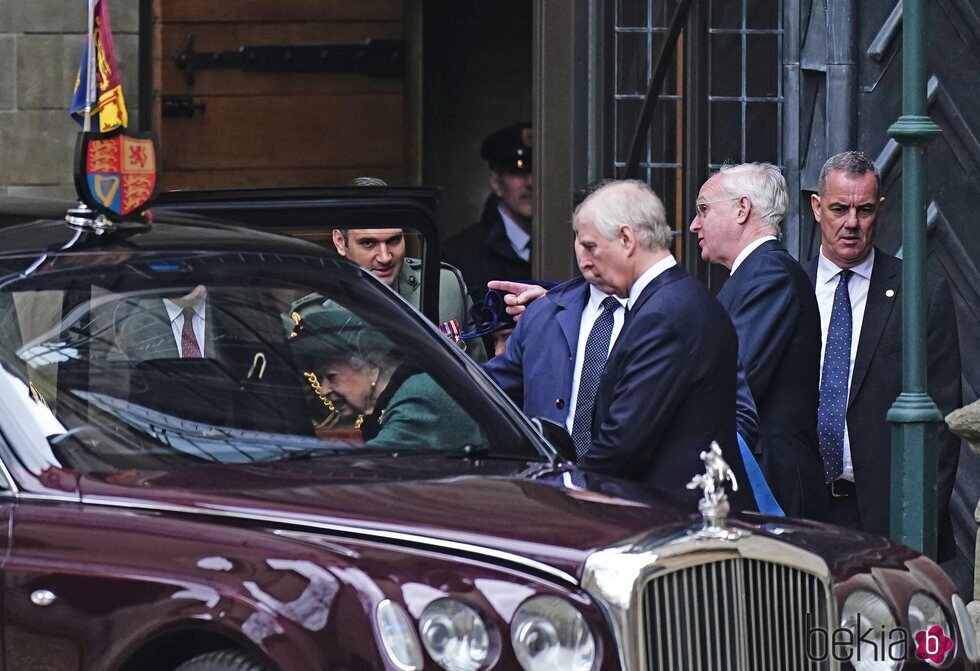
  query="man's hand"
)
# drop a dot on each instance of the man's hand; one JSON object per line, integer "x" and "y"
{"x": 519, "y": 295}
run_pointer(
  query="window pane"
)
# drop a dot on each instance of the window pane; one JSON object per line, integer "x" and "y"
{"x": 631, "y": 14}
{"x": 627, "y": 112}
{"x": 664, "y": 182}
{"x": 762, "y": 14}
{"x": 633, "y": 64}
{"x": 762, "y": 129}
{"x": 726, "y": 140}
{"x": 726, "y": 13}
{"x": 726, "y": 65}
{"x": 158, "y": 362}
{"x": 670, "y": 81}
{"x": 663, "y": 132}
{"x": 762, "y": 66}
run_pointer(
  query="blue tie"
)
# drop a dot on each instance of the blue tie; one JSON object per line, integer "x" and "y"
{"x": 833, "y": 382}
{"x": 593, "y": 363}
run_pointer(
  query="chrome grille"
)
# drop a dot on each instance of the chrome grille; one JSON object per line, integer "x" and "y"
{"x": 733, "y": 615}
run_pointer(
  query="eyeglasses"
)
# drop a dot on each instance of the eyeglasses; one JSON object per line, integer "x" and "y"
{"x": 702, "y": 207}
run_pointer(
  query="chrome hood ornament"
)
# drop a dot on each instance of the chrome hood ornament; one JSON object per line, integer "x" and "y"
{"x": 714, "y": 504}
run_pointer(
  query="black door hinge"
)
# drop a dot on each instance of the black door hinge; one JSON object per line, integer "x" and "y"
{"x": 379, "y": 58}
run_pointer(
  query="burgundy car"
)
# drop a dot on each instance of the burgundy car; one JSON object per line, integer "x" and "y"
{"x": 328, "y": 482}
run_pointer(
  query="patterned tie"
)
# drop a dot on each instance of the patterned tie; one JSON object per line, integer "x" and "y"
{"x": 189, "y": 349}
{"x": 593, "y": 363}
{"x": 833, "y": 382}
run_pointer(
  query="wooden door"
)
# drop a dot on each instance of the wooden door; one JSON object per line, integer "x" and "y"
{"x": 233, "y": 127}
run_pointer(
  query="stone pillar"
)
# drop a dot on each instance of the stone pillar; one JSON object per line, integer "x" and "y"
{"x": 40, "y": 46}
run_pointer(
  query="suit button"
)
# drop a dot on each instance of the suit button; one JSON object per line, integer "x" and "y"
{"x": 559, "y": 403}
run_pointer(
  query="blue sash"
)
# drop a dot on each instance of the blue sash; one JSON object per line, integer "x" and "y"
{"x": 764, "y": 499}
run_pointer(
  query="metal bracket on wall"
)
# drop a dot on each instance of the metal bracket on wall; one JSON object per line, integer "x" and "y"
{"x": 379, "y": 58}
{"x": 176, "y": 106}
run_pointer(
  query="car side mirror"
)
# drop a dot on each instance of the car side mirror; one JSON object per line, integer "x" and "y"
{"x": 557, "y": 436}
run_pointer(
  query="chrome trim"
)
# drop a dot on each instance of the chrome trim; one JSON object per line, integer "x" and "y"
{"x": 616, "y": 578}
{"x": 428, "y": 542}
{"x": 57, "y": 498}
{"x": 968, "y": 635}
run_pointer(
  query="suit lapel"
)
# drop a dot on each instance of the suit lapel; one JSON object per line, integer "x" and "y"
{"x": 670, "y": 275}
{"x": 571, "y": 303}
{"x": 884, "y": 276}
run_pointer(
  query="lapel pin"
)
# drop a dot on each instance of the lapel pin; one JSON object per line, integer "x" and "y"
{"x": 890, "y": 293}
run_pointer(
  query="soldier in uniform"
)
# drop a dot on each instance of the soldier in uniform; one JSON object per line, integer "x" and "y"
{"x": 381, "y": 251}
{"x": 498, "y": 247}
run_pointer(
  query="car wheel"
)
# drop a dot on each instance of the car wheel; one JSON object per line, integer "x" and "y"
{"x": 221, "y": 660}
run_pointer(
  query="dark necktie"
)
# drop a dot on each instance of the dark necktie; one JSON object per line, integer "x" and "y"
{"x": 833, "y": 382}
{"x": 593, "y": 363}
{"x": 189, "y": 349}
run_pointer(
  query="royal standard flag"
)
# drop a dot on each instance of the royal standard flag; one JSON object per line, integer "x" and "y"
{"x": 108, "y": 105}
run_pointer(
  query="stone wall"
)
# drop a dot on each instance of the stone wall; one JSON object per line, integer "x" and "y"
{"x": 40, "y": 46}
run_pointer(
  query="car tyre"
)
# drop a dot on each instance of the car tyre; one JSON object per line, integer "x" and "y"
{"x": 222, "y": 660}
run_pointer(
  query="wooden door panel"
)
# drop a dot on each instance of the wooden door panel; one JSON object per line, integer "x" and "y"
{"x": 321, "y": 131}
{"x": 219, "y": 178}
{"x": 282, "y": 128}
{"x": 263, "y": 11}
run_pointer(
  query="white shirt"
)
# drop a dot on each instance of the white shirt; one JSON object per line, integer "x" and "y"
{"x": 751, "y": 247}
{"x": 589, "y": 317}
{"x": 175, "y": 312}
{"x": 651, "y": 274}
{"x": 857, "y": 289}
{"x": 520, "y": 240}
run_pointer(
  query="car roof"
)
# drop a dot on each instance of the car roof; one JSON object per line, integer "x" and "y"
{"x": 33, "y": 226}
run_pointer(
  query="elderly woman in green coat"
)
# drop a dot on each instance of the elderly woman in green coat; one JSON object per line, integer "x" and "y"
{"x": 402, "y": 405}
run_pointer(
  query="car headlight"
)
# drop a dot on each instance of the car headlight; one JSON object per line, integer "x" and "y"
{"x": 398, "y": 636}
{"x": 549, "y": 634}
{"x": 865, "y": 610}
{"x": 455, "y": 635}
{"x": 925, "y": 613}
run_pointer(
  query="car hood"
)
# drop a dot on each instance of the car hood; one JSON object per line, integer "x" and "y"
{"x": 554, "y": 516}
{"x": 527, "y": 508}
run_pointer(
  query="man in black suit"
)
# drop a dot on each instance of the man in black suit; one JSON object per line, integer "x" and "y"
{"x": 498, "y": 247}
{"x": 771, "y": 304}
{"x": 846, "y": 206}
{"x": 668, "y": 388}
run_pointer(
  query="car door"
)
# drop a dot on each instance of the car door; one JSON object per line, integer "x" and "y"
{"x": 312, "y": 214}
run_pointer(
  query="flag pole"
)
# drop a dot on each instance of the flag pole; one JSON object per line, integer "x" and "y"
{"x": 90, "y": 52}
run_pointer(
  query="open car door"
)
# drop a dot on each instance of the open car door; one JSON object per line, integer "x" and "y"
{"x": 313, "y": 213}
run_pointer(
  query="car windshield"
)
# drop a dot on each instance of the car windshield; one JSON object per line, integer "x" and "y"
{"x": 131, "y": 360}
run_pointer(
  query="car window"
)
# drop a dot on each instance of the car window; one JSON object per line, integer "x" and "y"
{"x": 158, "y": 362}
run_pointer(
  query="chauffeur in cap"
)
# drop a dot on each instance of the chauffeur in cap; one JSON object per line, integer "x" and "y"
{"x": 498, "y": 247}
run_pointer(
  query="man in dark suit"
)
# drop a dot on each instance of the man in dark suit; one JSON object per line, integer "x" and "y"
{"x": 669, "y": 386}
{"x": 541, "y": 366}
{"x": 859, "y": 286}
{"x": 168, "y": 328}
{"x": 771, "y": 304}
{"x": 498, "y": 247}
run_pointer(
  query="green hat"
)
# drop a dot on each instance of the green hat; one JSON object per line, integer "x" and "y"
{"x": 335, "y": 332}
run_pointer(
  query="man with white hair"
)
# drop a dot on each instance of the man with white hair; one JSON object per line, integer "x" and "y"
{"x": 669, "y": 386}
{"x": 771, "y": 303}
